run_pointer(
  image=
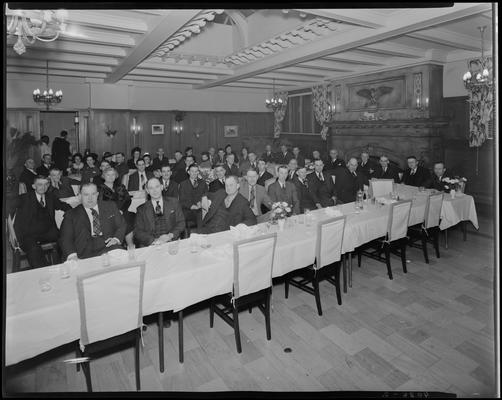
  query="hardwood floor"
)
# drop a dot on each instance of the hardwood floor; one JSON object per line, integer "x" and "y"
{"x": 431, "y": 329}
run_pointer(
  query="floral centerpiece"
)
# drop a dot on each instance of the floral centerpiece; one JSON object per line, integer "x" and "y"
{"x": 280, "y": 210}
{"x": 456, "y": 183}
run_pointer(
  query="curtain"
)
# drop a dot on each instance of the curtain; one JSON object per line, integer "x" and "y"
{"x": 280, "y": 113}
{"x": 481, "y": 110}
{"x": 320, "y": 105}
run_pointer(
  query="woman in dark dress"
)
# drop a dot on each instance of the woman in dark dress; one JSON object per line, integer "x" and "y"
{"x": 112, "y": 190}
{"x": 135, "y": 156}
{"x": 90, "y": 170}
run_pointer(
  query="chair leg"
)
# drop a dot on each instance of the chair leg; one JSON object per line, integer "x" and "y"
{"x": 435, "y": 239}
{"x": 337, "y": 283}
{"x": 267, "y": 316}
{"x": 403, "y": 254}
{"x": 180, "y": 334}
{"x": 387, "y": 260}
{"x": 78, "y": 354}
{"x": 315, "y": 283}
{"x": 86, "y": 367}
{"x": 136, "y": 361}
{"x": 286, "y": 287}
{"x": 423, "y": 238}
{"x": 344, "y": 272}
{"x": 161, "y": 341}
{"x": 237, "y": 331}
{"x": 211, "y": 313}
{"x": 446, "y": 238}
{"x": 359, "y": 256}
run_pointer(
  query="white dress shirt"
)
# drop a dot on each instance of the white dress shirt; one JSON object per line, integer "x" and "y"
{"x": 161, "y": 204}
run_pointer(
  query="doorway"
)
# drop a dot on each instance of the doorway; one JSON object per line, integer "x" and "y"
{"x": 53, "y": 122}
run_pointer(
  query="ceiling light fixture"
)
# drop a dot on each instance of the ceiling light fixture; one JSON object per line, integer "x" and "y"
{"x": 32, "y": 25}
{"x": 48, "y": 97}
{"x": 275, "y": 102}
{"x": 480, "y": 69}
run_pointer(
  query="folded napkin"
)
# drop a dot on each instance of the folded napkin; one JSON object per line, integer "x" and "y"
{"x": 242, "y": 231}
{"x": 384, "y": 200}
{"x": 333, "y": 212}
{"x": 118, "y": 256}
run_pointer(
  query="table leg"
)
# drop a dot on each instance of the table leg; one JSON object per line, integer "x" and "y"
{"x": 350, "y": 269}
{"x": 344, "y": 270}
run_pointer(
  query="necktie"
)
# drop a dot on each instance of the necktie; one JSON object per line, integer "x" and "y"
{"x": 306, "y": 183}
{"x": 354, "y": 174}
{"x": 321, "y": 178}
{"x": 227, "y": 201}
{"x": 252, "y": 197}
{"x": 412, "y": 172}
{"x": 96, "y": 225}
{"x": 158, "y": 210}
{"x": 166, "y": 184}
{"x": 195, "y": 184}
{"x": 141, "y": 181}
{"x": 384, "y": 170}
{"x": 283, "y": 187}
{"x": 42, "y": 203}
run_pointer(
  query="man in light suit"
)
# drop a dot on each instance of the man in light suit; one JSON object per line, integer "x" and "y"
{"x": 255, "y": 194}
{"x": 160, "y": 219}
{"x": 281, "y": 190}
{"x": 92, "y": 228}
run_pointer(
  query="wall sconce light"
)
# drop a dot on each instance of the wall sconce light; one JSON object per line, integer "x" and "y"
{"x": 135, "y": 128}
{"x": 178, "y": 122}
{"x": 420, "y": 106}
{"x": 75, "y": 118}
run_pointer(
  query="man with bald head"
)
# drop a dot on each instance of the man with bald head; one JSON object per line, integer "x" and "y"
{"x": 348, "y": 181}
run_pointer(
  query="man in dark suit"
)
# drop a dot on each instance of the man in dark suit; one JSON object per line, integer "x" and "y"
{"x": 321, "y": 186}
{"x": 179, "y": 169}
{"x": 137, "y": 180}
{"x": 348, "y": 182}
{"x": 35, "y": 222}
{"x": 121, "y": 165}
{"x": 281, "y": 190}
{"x": 292, "y": 167}
{"x": 28, "y": 174}
{"x": 169, "y": 186}
{"x": 334, "y": 162}
{"x": 160, "y": 219}
{"x": 219, "y": 182}
{"x": 298, "y": 156}
{"x": 160, "y": 161}
{"x": 386, "y": 171}
{"x": 367, "y": 166}
{"x": 302, "y": 188}
{"x": 60, "y": 185}
{"x": 61, "y": 151}
{"x": 219, "y": 158}
{"x": 245, "y": 165}
{"x": 92, "y": 228}
{"x": 416, "y": 175}
{"x": 45, "y": 166}
{"x": 263, "y": 174}
{"x": 268, "y": 156}
{"x": 437, "y": 178}
{"x": 283, "y": 156}
{"x": 230, "y": 167}
{"x": 227, "y": 208}
{"x": 190, "y": 193}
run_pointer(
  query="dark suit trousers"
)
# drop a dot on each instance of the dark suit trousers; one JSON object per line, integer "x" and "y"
{"x": 195, "y": 216}
{"x": 31, "y": 246}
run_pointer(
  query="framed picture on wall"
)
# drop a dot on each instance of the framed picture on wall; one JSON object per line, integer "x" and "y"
{"x": 231, "y": 131}
{"x": 158, "y": 129}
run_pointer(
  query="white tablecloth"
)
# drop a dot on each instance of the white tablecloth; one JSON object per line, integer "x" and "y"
{"x": 39, "y": 321}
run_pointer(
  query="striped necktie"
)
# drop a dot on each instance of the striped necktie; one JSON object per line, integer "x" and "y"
{"x": 96, "y": 224}
{"x": 252, "y": 197}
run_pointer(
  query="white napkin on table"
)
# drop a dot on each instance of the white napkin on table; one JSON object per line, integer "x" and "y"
{"x": 333, "y": 212}
{"x": 242, "y": 231}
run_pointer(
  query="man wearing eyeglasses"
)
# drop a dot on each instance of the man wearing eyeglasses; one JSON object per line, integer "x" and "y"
{"x": 160, "y": 219}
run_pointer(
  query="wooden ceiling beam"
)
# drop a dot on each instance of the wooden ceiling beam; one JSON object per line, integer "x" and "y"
{"x": 351, "y": 16}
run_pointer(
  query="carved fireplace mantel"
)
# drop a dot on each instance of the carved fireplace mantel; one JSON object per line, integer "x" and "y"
{"x": 418, "y": 123}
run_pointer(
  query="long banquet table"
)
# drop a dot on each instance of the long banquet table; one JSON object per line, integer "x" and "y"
{"x": 39, "y": 321}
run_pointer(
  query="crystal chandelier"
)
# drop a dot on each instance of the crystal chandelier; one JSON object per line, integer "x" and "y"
{"x": 48, "y": 97}
{"x": 480, "y": 69}
{"x": 32, "y": 25}
{"x": 275, "y": 102}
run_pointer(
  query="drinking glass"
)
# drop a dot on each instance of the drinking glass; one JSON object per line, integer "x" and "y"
{"x": 131, "y": 252}
{"x": 45, "y": 283}
{"x": 173, "y": 247}
{"x": 65, "y": 269}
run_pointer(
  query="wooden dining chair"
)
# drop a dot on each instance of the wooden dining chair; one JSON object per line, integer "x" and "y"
{"x": 111, "y": 313}
{"x": 427, "y": 231}
{"x": 327, "y": 262}
{"x": 253, "y": 263}
{"x": 381, "y": 187}
{"x": 394, "y": 241}
{"x": 50, "y": 249}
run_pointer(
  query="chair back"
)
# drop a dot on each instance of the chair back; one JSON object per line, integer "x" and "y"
{"x": 110, "y": 301}
{"x": 433, "y": 210}
{"x": 398, "y": 220}
{"x": 12, "y": 233}
{"x": 381, "y": 187}
{"x": 329, "y": 241}
{"x": 22, "y": 188}
{"x": 253, "y": 262}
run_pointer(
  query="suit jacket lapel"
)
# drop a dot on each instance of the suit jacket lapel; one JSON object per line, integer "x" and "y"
{"x": 84, "y": 216}
{"x": 150, "y": 213}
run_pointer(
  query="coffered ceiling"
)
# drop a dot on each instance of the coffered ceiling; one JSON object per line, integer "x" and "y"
{"x": 203, "y": 48}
